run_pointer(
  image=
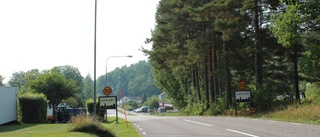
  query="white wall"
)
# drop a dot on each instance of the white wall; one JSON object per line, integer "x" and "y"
{"x": 8, "y": 104}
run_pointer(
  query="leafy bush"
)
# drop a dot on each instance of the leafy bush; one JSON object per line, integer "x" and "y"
{"x": 89, "y": 104}
{"x": 152, "y": 102}
{"x": 194, "y": 109}
{"x": 92, "y": 125}
{"x": 133, "y": 104}
{"x": 32, "y": 108}
{"x": 216, "y": 109}
{"x": 313, "y": 92}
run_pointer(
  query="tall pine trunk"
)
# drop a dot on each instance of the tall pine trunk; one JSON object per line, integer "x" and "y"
{"x": 215, "y": 76}
{"x": 196, "y": 81}
{"x": 258, "y": 51}
{"x": 210, "y": 74}
{"x": 206, "y": 76}
{"x": 227, "y": 75}
{"x": 295, "y": 71}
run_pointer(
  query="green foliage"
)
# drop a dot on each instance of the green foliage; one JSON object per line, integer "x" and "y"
{"x": 1, "y": 80}
{"x": 313, "y": 92}
{"x": 83, "y": 123}
{"x": 32, "y": 108}
{"x": 194, "y": 109}
{"x": 307, "y": 113}
{"x": 217, "y": 109}
{"x": 90, "y": 104}
{"x": 133, "y": 104}
{"x": 21, "y": 79}
{"x": 144, "y": 98}
{"x": 152, "y": 102}
{"x": 55, "y": 86}
{"x": 88, "y": 87}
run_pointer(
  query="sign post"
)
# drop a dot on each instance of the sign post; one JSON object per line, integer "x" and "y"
{"x": 242, "y": 95}
{"x": 108, "y": 102}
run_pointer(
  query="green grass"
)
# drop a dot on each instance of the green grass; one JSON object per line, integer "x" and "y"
{"x": 63, "y": 130}
{"x": 120, "y": 128}
{"x": 307, "y": 113}
{"x": 39, "y": 130}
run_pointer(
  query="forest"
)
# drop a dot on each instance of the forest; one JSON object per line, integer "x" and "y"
{"x": 66, "y": 84}
{"x": 201, "y": 49}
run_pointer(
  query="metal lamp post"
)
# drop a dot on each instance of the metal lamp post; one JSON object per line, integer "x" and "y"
{"x": 95, "y": 60}
{"x": 129, "y": 56}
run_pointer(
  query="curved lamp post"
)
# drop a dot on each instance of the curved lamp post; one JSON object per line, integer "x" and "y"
{"x": 128, "y": 56}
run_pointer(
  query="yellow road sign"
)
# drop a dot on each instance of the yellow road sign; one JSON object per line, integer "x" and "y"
{"x": 107, "y": 90}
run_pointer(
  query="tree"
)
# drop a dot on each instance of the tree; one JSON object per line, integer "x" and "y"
{"x": 55, "y": 86}
{"x": 1, "y": 80}
{"x": 286, "y": 28}
{"x": 88, "y": 87}
{"x": 144, "y": 98}
{"x": 72, "y": 73}
{"x": 21, "y": 79}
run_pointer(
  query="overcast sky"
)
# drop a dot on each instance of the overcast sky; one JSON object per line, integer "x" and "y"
{"x": 41, "y": 34}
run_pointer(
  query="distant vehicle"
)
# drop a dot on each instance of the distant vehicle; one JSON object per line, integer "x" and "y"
{"x": 143, "y": 109}
{"x": 150, "y": 110}
{"x": 161, "y": 109}
{"x": 136, "y": 109}
{"x": 62, "y": 114}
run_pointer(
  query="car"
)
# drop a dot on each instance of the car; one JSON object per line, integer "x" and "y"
{"x": 143, "y": 109}
{"x": 150, "y": 110}
{"x": 161, "y": 109}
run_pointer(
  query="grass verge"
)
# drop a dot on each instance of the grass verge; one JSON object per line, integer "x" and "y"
{"x": 307, "y": 113}
{"x": 65, "y": 130}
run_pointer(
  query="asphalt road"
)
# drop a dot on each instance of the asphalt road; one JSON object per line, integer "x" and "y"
{"x": 197, "y": 126}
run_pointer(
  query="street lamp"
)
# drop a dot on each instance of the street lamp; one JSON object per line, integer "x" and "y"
{"x": 95, "y": 60}
{"x": 129, "y": 56}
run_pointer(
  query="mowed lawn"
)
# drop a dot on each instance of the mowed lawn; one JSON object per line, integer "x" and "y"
{"x": 62, "y": 130}
{"x": 39, "y": 130}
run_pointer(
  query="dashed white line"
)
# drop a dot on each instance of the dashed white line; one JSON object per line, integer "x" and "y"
{"x": 197, "y": 122}
{"x": 140, "y": 128}
{"x": 144, "y": 133}
{"x": 243, "y": 133}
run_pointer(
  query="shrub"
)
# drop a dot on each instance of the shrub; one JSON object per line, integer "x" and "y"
{"x": 32, "y": 108}
{"x": 92, "y": 125}
{"x": 313, "y": 92}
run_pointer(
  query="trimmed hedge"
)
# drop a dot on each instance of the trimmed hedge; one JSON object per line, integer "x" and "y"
{"x": 32, "y": 108}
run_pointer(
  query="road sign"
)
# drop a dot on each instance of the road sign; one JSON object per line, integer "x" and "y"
{"x": 107, "y": 102}
{"x": 243, "y": 96}
{"x": 242, "y": 85}
{"x": 107, "y": 90}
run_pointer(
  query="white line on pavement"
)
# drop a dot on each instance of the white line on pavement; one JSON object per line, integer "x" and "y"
{"x": 243, "y": 133}
{"x": 197, "y": 122}
{"x": 144, "y": 133}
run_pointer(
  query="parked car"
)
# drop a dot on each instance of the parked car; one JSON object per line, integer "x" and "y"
{"x": 143, "y": 109}
{"x": 161, "y": 109}
{"x": 150, "y": 110}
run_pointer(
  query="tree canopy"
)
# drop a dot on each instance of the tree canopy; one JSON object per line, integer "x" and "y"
{"x": 55, "y": 86}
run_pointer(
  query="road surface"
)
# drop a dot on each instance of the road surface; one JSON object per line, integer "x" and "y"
{"x": 200, "y": 126}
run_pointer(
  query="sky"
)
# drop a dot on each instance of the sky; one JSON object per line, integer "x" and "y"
{"x": 42, "y": 34}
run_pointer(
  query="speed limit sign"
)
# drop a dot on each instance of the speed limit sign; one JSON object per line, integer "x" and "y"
{"x": 107, "y": 90}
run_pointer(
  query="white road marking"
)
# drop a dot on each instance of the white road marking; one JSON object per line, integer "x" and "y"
{"x": 140, "y": 128}
{"x": 243, "y": 133}
{"x": 144, "y": 133}
{"x": 197, "y": 122}
{"x": 296, "y": 123}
